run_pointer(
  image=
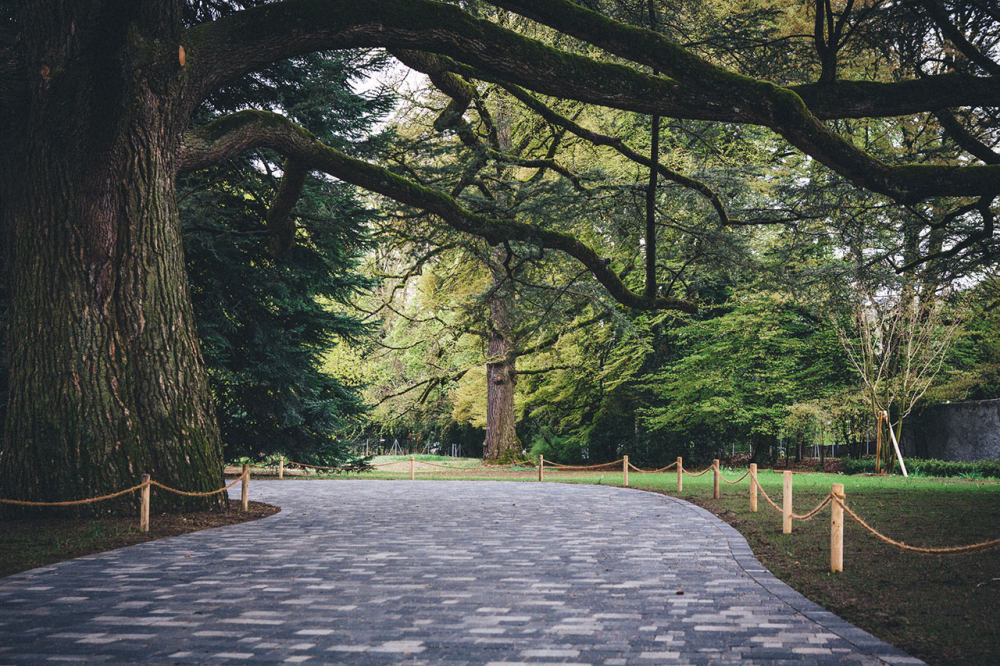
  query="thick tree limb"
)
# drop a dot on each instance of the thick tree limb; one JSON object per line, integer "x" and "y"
{"x": 842, "y": 99}
{"x": 280, "y": 224}
{"x": 236, "y": 44}
{"x": 224, "y": 49}
{"x": 760, "y": 102}
{"x": 965, "y": 140}
{"x": 695, "y": 89}
{"x": 233, "y": 45}
{"x": 242, "y": 131}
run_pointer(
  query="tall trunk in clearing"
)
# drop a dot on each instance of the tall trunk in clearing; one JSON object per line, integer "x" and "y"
{"x": 501, "y": 374}
{"x": 106, "y": 378}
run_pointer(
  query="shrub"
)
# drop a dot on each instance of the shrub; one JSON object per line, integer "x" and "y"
{"x": 930, "y": 467}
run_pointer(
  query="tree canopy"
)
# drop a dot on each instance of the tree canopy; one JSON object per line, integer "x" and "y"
{"x": 885, "y": 109}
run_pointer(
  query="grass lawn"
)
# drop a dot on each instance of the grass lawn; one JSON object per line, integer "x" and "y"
{"x": 941, "y": 608}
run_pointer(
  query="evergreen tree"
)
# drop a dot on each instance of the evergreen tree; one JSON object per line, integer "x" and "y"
{"x": 263, "y": 303}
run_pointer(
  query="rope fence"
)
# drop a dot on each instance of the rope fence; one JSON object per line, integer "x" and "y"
{"x": 144, "y": 487}
{"x": 89, "y": 500}
{"x": 835, "y": 499}
{"x": 732, "y": 483}
{"x": 982, "y": 545}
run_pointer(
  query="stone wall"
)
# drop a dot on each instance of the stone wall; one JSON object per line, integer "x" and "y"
{"x": 955, "y": 431}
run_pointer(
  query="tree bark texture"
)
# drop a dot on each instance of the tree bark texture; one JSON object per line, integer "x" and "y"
{"x": 106, "y": 377}
{"x": 501, "y": 374}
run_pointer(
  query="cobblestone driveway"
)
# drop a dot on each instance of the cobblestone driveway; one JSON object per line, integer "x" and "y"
{"x": 376, "y": 572}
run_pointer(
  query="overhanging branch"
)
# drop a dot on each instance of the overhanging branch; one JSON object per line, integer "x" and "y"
{"x": 244, "y": 130}
{"x": 691, "y": 88}
{"x": 758, "y": 102}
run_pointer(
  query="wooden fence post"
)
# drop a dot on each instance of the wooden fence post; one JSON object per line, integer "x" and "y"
{"x": 245, "y": 488}
{"x": 541, "y": 463}
{"x": 753, "y": 487}
{"x": 715, "y": 479}
{"x": 837, "y": 529}
{"x": 144, "y": 506}
{"x": 412, "y": 476}
{"x": 786, "y": 503}
{"x": 281, "y": 467}
{"x": 625, "y": 471}
{"x": 680, "y": 474}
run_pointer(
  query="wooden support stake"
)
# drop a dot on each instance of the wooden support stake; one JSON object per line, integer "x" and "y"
{"x": 895, "y": 445}
{"x": 837, "y": 530}
{"x": 412, "y": 476}
{"x": 715, "y": 479}
{"x": 753, "y": 487}
{"x": 541, "y": 462}
{"x": 144, "y": 506}
{"x": 281, "y": 467}
{"x": 625, "y": 471}
{"x": 245, "y": 488}
{"x": 878, "y": 443}
{"x": 680, "y": 474}
{"x": 786, "y": 503}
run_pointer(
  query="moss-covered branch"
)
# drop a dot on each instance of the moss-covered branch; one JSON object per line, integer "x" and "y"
{"x": 224, "y": 49}
{"x": 245, "y": 130}
{"x": 692, "y": 87}
{"x": 827, "y": 100}
{"x": 786, "y": 113}
{"x": 280, "y": 226}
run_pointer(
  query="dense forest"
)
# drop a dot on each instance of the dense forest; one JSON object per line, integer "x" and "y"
{"x": 581, "y": 229}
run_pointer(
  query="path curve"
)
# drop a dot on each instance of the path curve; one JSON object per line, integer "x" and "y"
{"x": 438, "y": 572}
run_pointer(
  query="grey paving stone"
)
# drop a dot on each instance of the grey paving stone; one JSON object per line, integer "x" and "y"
{"x": 375, "y": 572}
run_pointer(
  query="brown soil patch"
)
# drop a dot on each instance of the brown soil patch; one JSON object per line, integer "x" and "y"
{"x": 941, "y": 608}
{"x": 35, "y": 542}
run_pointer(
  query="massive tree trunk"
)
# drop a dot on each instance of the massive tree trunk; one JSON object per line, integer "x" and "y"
{"x": 501, "y": 374}
{"x": 106, "y": 378}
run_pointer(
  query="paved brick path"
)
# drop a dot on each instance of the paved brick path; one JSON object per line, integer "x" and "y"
{"x": 370, "y": 572}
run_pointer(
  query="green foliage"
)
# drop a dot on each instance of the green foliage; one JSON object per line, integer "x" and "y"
{"x": 266, "y": 321}
{"x": 973, "y": 371}
{"x": 566, "y": 449}
{"x": 931, "y": 467}
{"x": 736, "y": 374}
{"x": 652, "y": 386}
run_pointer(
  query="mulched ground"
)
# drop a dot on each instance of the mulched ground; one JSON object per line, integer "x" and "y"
{"x": 35, "y": 542}
{"x": 941, "y": 608}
